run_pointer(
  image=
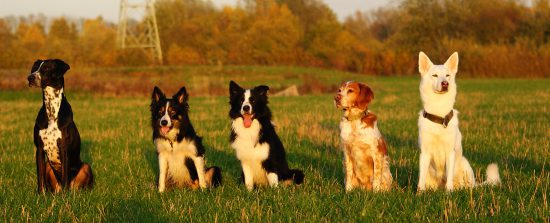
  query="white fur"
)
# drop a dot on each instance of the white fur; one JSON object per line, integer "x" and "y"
{"x": 166, "y": 116}
{"x": 50, "y": 135}
{"x": 251, "y": 153}
{"x": 246, "y": 102}
{"x": 172, "y": 161}
{"x": 441, "y": 158}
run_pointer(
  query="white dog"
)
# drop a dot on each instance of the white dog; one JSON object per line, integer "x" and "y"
{"x": 441, "y": 159}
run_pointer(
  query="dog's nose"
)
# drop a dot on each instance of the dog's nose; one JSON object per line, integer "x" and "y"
{"x": 163, "y": 122}
{"x": 444, "y": 84}
{"x": 246, "y": 108}
{"x": 337, "y": 97}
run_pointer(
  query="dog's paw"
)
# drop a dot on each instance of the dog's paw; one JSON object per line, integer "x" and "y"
{"x": 161, "y": 189}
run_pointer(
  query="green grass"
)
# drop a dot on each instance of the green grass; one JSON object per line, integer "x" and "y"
{"x": 503, "y": 120}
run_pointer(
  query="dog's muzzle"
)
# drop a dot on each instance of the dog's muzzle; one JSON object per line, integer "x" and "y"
{"x": 34, "y": 79}
{"x": 337, "y": 101}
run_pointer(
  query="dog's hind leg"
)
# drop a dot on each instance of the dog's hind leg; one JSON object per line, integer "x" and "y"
{"x": 51, "y": 181}
{"x": 84, "y": 178}
{"x": 199, "y": 164}
{"x": 213, "y": 176}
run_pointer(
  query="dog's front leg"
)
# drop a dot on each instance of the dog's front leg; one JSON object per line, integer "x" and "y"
{"x": 40, "y": 169}
{"x": 273, "y": 179}
{"x": 199, "y": 164}
{"x": 163, "y": 171}
{"x": 425, "y": 160}
{"x": 450, "y": 169}
{"x": 65, "y": 171}
{"x": 248, "y": 176}
{"x": 348, "y": 168}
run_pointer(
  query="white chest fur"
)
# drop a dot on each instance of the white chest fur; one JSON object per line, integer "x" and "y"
{"x": 246, "y": 143}
{"x": 357, "y": 132}
{"x": 51, "y": 134}
{"x": 175, "y": 154}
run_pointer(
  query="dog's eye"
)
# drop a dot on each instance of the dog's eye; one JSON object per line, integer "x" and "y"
{"x": 350, "y": 91}
{"x": 251, "y": 100}
{"x": 448, "y": 75}
{"x": 435, "y": 75}
{"x": 339, "y": 90}
{"x": 172, "y": 112}
{"x": 242, "y": 99}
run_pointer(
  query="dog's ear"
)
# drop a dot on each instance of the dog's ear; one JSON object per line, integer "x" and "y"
{"x": 234, "y": 88}
{"x": 424, "y": 63}
{"x": 36, "y": 65}
{"x": 452, "y": 63}
{"x": 157, "y": 95}
{"x": 262, "y": 90}
{"x": 181, "y": 96}
{"x": 61, "y": 67}
{"x": 365, "y": 96}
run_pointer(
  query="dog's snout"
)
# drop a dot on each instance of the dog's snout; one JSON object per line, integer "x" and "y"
{"x": 444, "y": 84}
{"x": 337, "y": 97}
{"x": 164, "y": 122}
{"x": 246, "y": 108}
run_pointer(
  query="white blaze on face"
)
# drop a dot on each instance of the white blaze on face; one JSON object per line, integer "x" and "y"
{"x": 247, "y": 116}
{"x": 166, "y": 117}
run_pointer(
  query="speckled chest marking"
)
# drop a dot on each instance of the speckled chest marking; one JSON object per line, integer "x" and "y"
{"x": 51, "y": 134}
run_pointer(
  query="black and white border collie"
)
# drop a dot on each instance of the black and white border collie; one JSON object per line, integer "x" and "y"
{"x": 253, "y": 136}
{"x": 55, "y": 134}
{"x": 180, "y": 150}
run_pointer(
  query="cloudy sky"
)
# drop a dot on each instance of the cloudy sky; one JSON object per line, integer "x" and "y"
{"x": 109, "y": 9}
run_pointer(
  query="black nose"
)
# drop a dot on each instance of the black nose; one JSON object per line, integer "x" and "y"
{"x": 163, "y": 122}
{"x": 444, "y": 84}
{"x": 31, "y": 78}
{"x": 246, "y": 108}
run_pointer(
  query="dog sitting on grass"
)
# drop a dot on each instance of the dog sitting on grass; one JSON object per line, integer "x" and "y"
{"x": 57, "y": 141}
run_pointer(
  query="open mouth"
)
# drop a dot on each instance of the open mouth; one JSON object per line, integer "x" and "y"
{"x": 165, "y": 129}
{"x": 247, "y": 120}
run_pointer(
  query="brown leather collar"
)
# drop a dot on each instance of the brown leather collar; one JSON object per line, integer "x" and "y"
{"x": 439, "y": 120}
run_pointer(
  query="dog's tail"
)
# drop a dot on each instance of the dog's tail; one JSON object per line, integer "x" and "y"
{"x": 297, "y": 176}
{"x": 493, "y": 177}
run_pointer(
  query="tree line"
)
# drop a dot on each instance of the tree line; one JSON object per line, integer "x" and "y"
{"x": 494, "y": 37}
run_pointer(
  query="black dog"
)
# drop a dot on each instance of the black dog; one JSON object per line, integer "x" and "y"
{"x": 55, "y": 135}
{"x": 180, "y": 149}
{"x": 258, "y": 147}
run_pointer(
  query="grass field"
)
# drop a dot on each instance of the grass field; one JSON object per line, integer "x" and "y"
{"x": 502, "y": 120}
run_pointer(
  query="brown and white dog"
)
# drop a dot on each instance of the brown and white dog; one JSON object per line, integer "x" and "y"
{"x": 366, "y": 161}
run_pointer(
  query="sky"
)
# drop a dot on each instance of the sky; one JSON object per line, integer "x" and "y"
{"x": 109, "y": 9}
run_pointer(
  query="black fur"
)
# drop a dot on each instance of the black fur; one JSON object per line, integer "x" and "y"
{"x": 52, "y": 73}
{"x": 276, "y": 161}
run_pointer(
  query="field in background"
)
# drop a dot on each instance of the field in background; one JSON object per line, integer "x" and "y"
{"x": 502, "y": 120}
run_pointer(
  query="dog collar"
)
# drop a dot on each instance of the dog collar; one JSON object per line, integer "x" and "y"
{"x": 439, "y": 120}
{"x": 359, "y": 116}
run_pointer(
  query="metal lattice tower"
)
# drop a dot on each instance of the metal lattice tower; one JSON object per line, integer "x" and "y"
{"x": 144, "y": 34}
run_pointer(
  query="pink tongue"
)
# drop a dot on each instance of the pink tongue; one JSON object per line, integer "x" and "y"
{"x": 247, "y": 120}
{"x": 164, "y": 130}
